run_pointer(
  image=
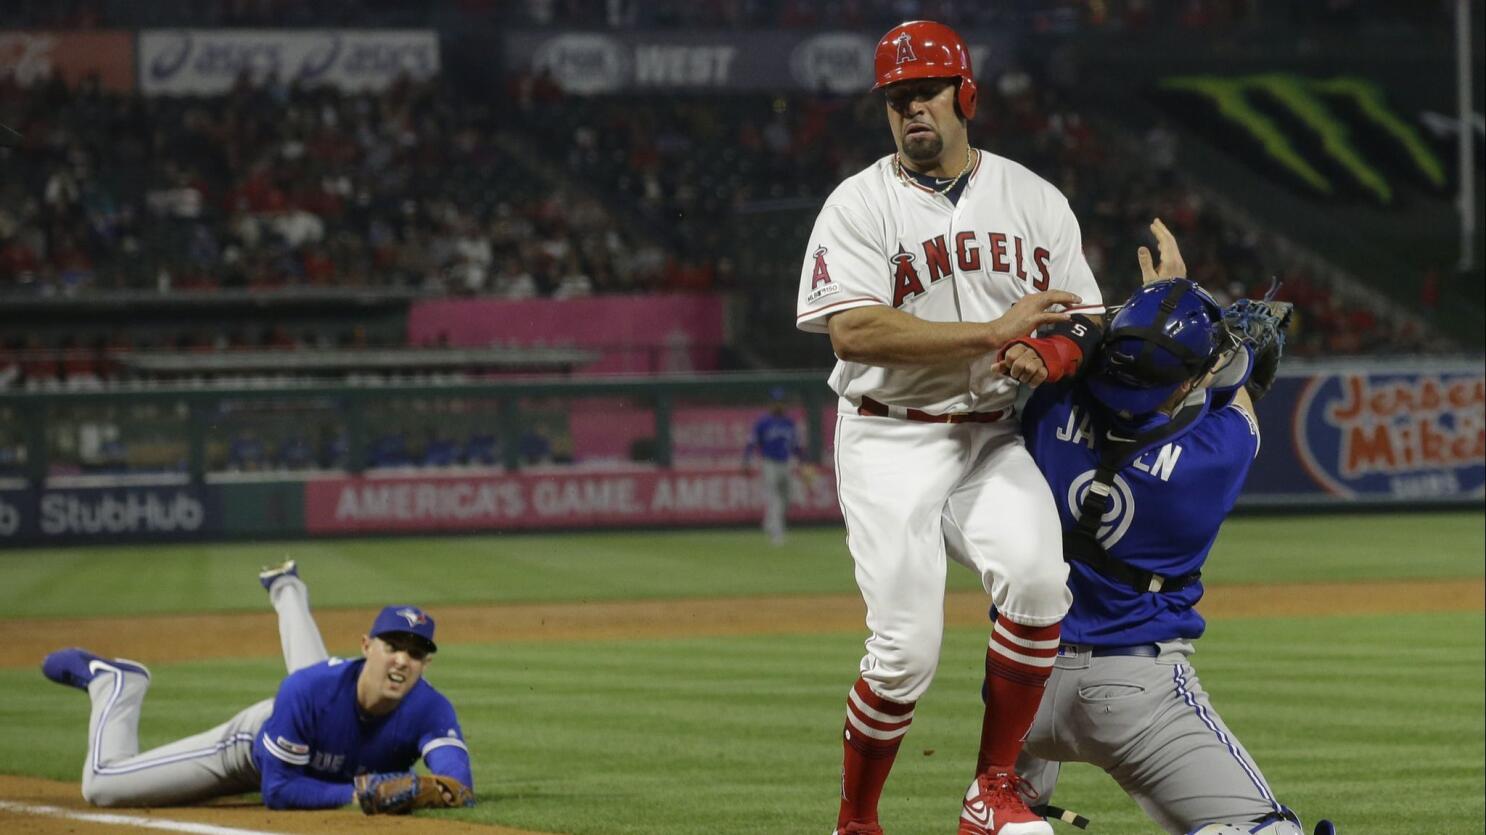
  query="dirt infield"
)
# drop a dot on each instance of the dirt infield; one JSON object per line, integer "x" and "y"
{"x": 194, "y": 637}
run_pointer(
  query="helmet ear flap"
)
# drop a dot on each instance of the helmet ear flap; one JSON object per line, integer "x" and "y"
{"x": 965, "y": 97}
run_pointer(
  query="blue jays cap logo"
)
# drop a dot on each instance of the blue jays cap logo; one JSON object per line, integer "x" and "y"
{"x": 398, "y": 618}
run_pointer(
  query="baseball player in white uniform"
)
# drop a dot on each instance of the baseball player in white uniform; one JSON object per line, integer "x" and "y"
{"x": 931, "y": 270}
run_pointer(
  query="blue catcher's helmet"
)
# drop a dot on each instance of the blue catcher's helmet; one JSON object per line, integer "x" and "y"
{"x": 1169, "y": 332}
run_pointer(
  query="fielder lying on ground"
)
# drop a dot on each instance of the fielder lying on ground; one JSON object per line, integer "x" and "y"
{"x": 338, "y": 732}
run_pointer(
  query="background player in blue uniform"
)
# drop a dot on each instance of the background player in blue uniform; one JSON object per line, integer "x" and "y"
{"x": 1163, "y": 430}
{"x": 775, "y": 439}
{"x": 332, "y": 719}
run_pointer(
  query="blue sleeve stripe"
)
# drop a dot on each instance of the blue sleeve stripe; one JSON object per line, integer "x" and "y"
{"x": 443, "y": 742}
{"x": 279, "y": 753}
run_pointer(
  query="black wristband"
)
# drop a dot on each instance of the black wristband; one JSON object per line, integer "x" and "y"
{"x": 1083, "y": 331}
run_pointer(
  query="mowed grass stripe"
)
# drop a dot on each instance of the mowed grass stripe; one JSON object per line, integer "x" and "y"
{"x": 1374, "y": 721}
{"x": 80, "y": 582}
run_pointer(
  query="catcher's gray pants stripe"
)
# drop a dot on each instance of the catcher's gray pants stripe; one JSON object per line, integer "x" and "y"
{"x": 210, "y": 764}
{"x": 1150, "y": 725}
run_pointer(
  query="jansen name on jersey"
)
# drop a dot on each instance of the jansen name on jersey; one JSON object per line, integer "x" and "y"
{"x": 1163, "y": 516}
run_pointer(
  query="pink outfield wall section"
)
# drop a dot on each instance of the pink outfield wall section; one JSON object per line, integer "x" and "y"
{"x": 646, "y": 334}
{"x": 566, "y": 499}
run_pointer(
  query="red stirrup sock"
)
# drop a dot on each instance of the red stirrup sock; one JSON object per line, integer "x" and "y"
{"x": 874, "y": 729}
{"x": 1018, "y": 664}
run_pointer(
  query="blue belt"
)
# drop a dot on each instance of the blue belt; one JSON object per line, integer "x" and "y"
{"x": 1137, "y": 650}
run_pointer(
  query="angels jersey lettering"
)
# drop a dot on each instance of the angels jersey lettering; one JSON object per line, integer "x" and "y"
{"x": 883, "y": 239}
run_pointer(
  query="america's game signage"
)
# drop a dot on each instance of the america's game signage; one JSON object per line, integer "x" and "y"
{"x": 534, "y": 501}
{"x": 209, "y": 61}
{"x": 1352, "y": 434}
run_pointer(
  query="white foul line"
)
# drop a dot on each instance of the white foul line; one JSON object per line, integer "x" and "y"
{"x": 127, "y": 820}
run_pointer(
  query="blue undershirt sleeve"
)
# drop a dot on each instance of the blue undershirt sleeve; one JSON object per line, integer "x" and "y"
{"x": 451, "y": 762}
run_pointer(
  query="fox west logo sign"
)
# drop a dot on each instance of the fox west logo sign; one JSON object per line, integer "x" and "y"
{"x": 1408, "y": 436}
{"x": 1306, "y": 100}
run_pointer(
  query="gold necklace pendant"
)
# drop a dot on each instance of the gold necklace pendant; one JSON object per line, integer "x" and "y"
{"x": 945, "y": 189}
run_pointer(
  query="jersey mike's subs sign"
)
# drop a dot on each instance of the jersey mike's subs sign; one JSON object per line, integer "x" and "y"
{"x": 533, "y": 501}
{"x": 1408, "y": 435}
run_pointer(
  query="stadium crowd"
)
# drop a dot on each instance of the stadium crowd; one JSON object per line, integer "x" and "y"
{"x": 274, "y": 186}
{"x": 742, "y": 176}
{"x": 422, "y": 190}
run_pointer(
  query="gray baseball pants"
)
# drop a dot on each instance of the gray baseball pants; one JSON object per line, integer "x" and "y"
{"x": 210, "y": 764}
{"x": 1149, "y": 724}
{"x": 777, "y": 487}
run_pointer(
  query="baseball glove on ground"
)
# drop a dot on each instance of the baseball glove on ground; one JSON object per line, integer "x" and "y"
{"x": 402, "y": 792}
{"x": 1261, "y": 326}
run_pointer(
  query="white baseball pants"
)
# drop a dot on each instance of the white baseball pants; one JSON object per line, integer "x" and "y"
{"x": 915, "y": 493}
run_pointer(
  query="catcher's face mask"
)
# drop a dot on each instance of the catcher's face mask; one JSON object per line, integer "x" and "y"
{"x": 1169, "y": 332}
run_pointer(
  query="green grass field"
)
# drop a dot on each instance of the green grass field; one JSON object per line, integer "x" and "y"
{"x": 1375, "y": 721}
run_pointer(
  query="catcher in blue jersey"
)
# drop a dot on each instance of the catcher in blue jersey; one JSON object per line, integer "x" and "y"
{"x": 1145, "y": 455}
{"x": 338, "y": 732}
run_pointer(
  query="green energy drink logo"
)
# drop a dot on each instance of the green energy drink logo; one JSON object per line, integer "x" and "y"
{"x": 1306, "y": 99}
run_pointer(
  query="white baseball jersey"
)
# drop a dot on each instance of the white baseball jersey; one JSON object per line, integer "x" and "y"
{"x": 884, "y": 238}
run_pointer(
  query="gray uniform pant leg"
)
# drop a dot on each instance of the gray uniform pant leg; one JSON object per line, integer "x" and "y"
{"x": 777, "y": 485}
{"x": 215, "y": 763}
{"x": 1150, "y": 725}
{"x": 299, "y": 635}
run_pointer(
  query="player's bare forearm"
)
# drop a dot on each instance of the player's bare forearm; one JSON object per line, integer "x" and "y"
{"x": 881, "y": 335}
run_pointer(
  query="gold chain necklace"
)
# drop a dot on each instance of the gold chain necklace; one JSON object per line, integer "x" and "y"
{"x": 898, "y": 161}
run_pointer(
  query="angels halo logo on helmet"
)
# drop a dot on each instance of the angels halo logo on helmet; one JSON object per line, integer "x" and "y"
{"x": 1169, "y": 332}
{"x": 925, "y": 49}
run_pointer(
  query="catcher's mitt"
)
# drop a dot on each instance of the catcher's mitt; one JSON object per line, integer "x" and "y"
{"x": 401, "y": 792}
{"x": 1260, "y": 325}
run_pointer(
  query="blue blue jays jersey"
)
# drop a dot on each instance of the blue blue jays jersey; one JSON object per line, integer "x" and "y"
{"x": 774, "y": 437}
{"x": 1164, "y": 512}
{"x": 317, "y": 739}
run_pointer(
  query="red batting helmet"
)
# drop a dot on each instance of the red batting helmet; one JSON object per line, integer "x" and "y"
{"x": 925, "y": 49}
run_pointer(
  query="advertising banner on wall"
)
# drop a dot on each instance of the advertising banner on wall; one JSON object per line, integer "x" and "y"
{"x": 196, "y": 62}
{"x": 1370, "y": 434}
{"x": 649, "y": 334}
{"x": 701, "y": 436}
{"x": 591, "y": 63}
{"x": 35, "y": 56}
{"x": 552, "y": 500}
{"x": 117, "y": 515}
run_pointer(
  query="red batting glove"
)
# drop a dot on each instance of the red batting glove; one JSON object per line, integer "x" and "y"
{"x": 1059, "y": 354}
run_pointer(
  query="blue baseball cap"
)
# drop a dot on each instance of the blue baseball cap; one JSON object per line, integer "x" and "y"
{"x": 410, "y": 620}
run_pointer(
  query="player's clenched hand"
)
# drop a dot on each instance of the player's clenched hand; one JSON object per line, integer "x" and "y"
{"x": 1022, "y": 364}
{"x": 1172, "y": 265}
{"x": 1030, "y": 313}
